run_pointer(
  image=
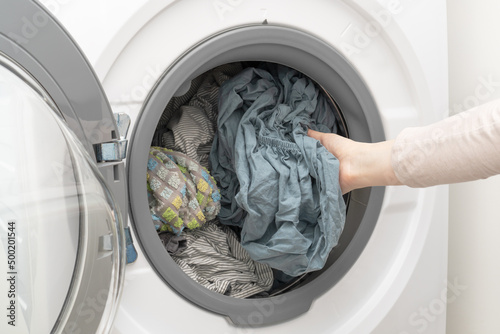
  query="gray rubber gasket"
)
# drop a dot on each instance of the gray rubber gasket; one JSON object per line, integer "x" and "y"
{"x": 334, "y": 73}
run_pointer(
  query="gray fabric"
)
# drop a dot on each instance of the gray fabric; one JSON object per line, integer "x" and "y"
{"x": 189, "y": 121}
{"x": 173, "y": 243}
{"x": 278, "y": 184}
{"x": 215, "y": 259}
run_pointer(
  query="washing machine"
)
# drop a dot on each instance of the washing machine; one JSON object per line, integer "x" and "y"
{"x": 79, "y": 250}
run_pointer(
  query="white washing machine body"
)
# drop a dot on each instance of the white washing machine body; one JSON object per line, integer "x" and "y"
{"x": 391, "y": 55}
{"x": 399, "y": 282}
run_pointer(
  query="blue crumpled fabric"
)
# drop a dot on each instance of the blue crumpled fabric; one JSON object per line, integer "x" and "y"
{"x": 279, "y": 185}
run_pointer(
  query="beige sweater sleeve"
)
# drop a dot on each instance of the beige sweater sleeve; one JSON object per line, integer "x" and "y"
{"x": 461, "y": 148}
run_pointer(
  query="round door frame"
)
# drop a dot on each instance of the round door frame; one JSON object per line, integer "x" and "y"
{"x": 336, "y": 75}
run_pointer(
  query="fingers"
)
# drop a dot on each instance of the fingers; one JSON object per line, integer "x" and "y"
{"x": 328, "y": 140}
{"x": 315, "y": 134}
{"x": 320, "y": 136}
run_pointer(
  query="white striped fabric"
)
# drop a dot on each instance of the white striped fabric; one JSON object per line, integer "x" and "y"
{"x": 189, "y": 122}
{"x": 215, "y": 259}
{"x": 191, "y": 132}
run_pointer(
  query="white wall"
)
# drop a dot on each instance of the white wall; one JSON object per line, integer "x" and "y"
{"x": 474, "y": 229}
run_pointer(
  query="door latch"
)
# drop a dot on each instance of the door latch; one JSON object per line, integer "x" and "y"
{"x": 116, "y": 149}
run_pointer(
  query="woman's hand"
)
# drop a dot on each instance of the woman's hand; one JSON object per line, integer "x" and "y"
{"x": 361, "y": 164}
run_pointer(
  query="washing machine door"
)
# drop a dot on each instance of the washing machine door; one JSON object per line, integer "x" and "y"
{"x": 62, "y": 188}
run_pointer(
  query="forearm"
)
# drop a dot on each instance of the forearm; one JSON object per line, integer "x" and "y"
{"x": 460, "y": 148}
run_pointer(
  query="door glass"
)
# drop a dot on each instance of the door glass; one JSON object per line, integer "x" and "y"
{"x": 47, "y": 188}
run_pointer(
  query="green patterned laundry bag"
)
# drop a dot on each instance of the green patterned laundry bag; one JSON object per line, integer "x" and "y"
{"x": 181, "y": 192}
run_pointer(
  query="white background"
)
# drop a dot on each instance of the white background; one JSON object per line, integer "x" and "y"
{"x": 474, "y": 244}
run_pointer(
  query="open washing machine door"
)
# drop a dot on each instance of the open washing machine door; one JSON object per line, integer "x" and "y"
{"x": 63, "y": 192}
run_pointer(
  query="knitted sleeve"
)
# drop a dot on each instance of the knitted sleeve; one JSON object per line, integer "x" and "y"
{"x": 461, "y": 148}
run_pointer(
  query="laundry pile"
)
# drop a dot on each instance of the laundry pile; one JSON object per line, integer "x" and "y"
{"x": 241, "y": 197}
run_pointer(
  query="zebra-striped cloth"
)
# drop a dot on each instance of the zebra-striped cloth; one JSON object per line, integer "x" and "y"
{"x": 215, "y": 259}
{"x": 189, "y": 121}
